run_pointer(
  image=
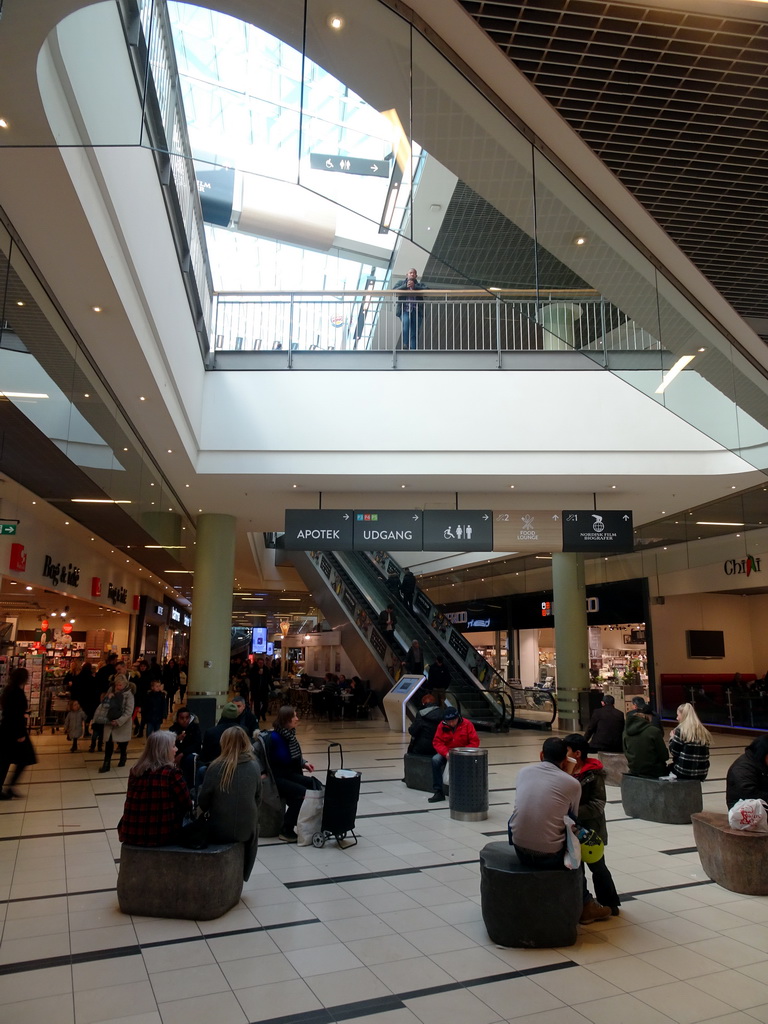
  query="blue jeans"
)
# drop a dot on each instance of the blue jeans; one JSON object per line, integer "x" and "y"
{"x": 411, "y": 323}
{"x": 438, "y": 764}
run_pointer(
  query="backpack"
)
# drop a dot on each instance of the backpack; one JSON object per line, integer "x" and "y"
{"x": 110, "y": 709}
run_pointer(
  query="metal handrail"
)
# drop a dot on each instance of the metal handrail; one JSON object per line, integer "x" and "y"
{"x": 437, "y": 320}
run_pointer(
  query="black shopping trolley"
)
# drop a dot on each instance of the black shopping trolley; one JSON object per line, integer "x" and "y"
{"x": 342, "y": 791}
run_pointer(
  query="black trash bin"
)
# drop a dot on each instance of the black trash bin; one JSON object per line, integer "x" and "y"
{"x": 468, "y": 773}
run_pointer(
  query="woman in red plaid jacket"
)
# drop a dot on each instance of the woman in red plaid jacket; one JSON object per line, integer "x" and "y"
{"x": 157, "y": 799}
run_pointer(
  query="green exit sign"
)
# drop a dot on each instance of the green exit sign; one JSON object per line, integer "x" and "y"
{"x": 7, "y": 528}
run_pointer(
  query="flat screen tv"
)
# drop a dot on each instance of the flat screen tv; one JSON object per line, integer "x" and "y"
{"x": 705, "y": 643}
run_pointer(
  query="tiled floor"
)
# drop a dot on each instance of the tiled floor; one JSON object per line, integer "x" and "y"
{"x": 388, "y": 931}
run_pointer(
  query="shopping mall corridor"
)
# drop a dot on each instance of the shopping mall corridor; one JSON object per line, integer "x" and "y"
{"x": 389, "y": 930}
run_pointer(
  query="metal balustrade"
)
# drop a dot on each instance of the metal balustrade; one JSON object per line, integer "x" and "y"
{"x": 448, "y": 321}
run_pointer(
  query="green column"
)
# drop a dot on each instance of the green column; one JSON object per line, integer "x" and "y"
{"x": 210, "y": 639}
{"x": 571, "y": 636}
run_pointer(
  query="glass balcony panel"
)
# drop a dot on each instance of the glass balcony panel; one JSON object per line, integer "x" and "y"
{"x": 476, "y": 217}
{"x": 583, "y": 258}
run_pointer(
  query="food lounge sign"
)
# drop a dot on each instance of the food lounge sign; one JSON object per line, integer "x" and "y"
{"x": 741, "y": 567}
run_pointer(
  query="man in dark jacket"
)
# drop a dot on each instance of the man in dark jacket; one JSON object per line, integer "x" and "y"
{"x": 640, "y": 704}
{"x": 408, "y": 588}
{"x": 424, "y": 727}
{"x": 387, "y": 623}
{"x": 747, "y": 778}
{"x": 438, "y": 676}
{"x": 605, "y": 728}
{"x": 189, "y": 742}
{"x": 260, "y": 687}
{"x": 410, "y": 307}
{"x": 645, "y": 748}
{"x": 414, "y": 660}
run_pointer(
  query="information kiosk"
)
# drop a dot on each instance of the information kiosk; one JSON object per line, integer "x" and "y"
{"x": 398, "y": 697}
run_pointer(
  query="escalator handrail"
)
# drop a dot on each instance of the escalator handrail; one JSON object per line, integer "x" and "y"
{"x": 382, "y": 560}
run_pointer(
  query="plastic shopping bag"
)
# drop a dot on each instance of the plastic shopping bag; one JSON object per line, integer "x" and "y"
{"x": 749, "y": 815}
{"x": 572, "y": 857}
{"x": 310, "y": 816}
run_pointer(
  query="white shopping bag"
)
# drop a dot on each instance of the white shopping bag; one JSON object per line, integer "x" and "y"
{"x": 310, "y": 816}
{"x": 749, "y": 815}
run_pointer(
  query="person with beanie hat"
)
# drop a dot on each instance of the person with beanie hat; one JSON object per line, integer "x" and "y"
{"x": 453, "y": 731}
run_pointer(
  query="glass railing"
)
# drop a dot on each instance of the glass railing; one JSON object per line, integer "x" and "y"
{"x": 154, "y": 59}
{"x": 461, "y": 320}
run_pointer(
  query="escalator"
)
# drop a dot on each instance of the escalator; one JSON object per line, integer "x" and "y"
{"x": 350, "y": 588}
{"x": 479, "y": 691}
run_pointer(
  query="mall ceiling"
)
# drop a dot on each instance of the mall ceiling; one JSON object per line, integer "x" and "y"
{"x": 674, "y": 102}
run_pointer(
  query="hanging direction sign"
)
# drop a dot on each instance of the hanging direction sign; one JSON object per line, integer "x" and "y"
{"x": 458, "y": 531}
{"x": 590, "y": 530}
{"x": 388, "y": 530}
{"x": 349, "y": 165}
{"x": 530, "y": 529}
{"x": 309, "y": 529}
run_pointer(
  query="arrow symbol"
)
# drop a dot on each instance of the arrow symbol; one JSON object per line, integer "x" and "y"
{"x": 345, "y": 516}
{"x": 415, "y": 519}
{"x": 374, "y": 167}
{"x": 485, "y": 517}
{"x": 625, "y": 518}
{"x": 555, "y": 518}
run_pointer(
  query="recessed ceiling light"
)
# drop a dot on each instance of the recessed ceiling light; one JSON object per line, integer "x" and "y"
{"x": 96, "y": 309}
{"x": 142, "y": 398}
{"x": 336, "y": 22}
{"x": 579, "y": 240}
{"x": 19, "y": 303}
{"x": 28, "y": 588}
{"x": 511, "y": 487}
{"x": 170, "y": 451}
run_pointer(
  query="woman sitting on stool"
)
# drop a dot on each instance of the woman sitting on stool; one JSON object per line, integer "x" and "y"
{"x": 689, "y": 746}
{"x": 157, "y": 798}
{"x": 231, "y": 792}
{"x": 288, "y": 767}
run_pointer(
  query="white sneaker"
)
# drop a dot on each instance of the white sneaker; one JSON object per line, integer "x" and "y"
{"x": 668, "y": 778}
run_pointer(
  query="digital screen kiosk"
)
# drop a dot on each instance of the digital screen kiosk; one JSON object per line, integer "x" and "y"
{"x": 398, "y": 697}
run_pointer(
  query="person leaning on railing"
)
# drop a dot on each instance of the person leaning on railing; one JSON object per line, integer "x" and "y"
{"x": 410, "y": 307}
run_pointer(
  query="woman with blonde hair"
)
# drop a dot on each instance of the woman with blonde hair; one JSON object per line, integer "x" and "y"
{"x": 689, "y": 746}
{"x": 157, "y": 798}
{"x": 231, "y": 792}
{"x": 119, "y": 724}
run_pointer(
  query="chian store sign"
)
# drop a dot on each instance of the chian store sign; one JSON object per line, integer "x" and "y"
{"x": 744, "y": 567}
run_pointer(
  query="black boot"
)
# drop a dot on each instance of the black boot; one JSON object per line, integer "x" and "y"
{"x": 123, "y": 748}
{"x": 108, "y": 748}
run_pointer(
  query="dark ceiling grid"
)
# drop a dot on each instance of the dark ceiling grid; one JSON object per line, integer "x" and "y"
{"x": 675, "y": 104}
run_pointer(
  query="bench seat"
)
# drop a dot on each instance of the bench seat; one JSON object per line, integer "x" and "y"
{"x": 172, "y": 881}
{"x": 732, "y": 857}
{"x": 671, "y": 803}
{"x": 526, "y": 908}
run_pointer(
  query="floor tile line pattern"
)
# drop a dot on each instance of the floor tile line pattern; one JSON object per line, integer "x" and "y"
{"x": 390, "y": 930}
{"x": 392, "y": 873}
